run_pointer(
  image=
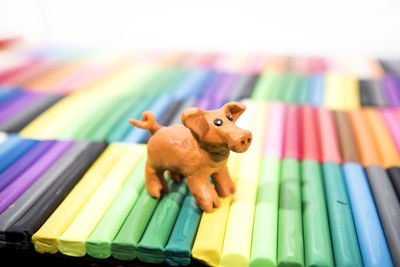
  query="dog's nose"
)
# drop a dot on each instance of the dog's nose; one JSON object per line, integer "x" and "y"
{"x": 245, "y": 141}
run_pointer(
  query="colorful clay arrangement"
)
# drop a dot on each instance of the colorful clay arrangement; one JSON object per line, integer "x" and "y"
{"x": 318, "y": 186}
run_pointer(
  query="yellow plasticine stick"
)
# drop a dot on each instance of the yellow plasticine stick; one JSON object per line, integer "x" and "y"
{"x": 91, "y": 99}
{"x": 63, "y": 108}
{"x": 257, "y": 128}
{"x": 237, "y": 242}
{"x": 351, "y": 92}
{"x": 45, "y": 239}
{"x": 333, "y": 91}
{"x": 209, "y": 240}
{"x": 73, "y": 241}
{"x": 37, "y": 124}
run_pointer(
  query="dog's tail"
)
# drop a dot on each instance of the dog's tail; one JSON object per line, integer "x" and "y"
{"x": 148, "y": 122}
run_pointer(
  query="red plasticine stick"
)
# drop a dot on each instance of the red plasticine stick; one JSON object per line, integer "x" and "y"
{"x": 310, "y": 134}
{"x": 292, "y": 142}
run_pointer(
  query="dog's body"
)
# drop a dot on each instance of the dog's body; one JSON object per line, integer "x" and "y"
{"x": 196, "y": 150}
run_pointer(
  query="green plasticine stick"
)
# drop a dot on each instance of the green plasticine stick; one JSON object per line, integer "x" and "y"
{"x": 121, "y": 128}
{"x": 265, "y": 227}
{"x": 98, "y": 244}
{"x": 123, "y": 125}
{"x": 151, "y": 247}
{"x": 292, "y": 89}
{"x": 304, "y": 90}
{"x": 343, "y": 233}
{"x": 264, "y": 86}
{"x": 124, "y": 246}
{"x": 290, "y": 227}
{"x": 317, "y": 241}
{"x": 281, "y": 86}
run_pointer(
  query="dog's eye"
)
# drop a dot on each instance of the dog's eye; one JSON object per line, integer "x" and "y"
{"x": 218, "y": 122}
{"x": 229, "y": 117}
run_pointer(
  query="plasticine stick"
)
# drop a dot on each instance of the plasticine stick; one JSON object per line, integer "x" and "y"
{"x": 33, "y": 193}
{"x": 351, "y": 92}
{"x": 265, "y": 228}
{"x": 304, "y": 93}
{"x": 237, "y": 241}
{"x": 275, "y": 131}
{"x": 265, "y": 85}
{"x": 21, "y": 232}
{"x": 370, "y": 235}
{"x": 290, "y": 232}
{"x": 334, "y": 94}
{"x": 28, "y": 114}
{"x": 12, "y": 149}
{"x": 366, "y": 145}
{"x": 177, "y": 250}
{"x": 30, "y": 175}
{"x": 382, "y": 139}
{"x": 151, "y": 246}
{"x": 343, "y": 233}
{"x": 46, "y": 238}
{"x": 244, "y": 87}
{"x": 98, "y": 244}
{"x": 19, "y": 104}
{"x": 124, "y": 245}
{"x": 393, "y": 125}
{"x": 93, "y": 115}
{"x": 55, "y": 119}
{"x": 23, "y": 163}
{"x": 210, "y": 235}
{"x": 317, "y": 240}
{"x": 72, "y": 241}
{"x": 317, "y": 89}
{"x": 371, "y": 238}
{"x": 388, "y": 208}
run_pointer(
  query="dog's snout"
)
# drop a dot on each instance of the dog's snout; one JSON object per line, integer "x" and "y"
{"x": 243, "y": 142}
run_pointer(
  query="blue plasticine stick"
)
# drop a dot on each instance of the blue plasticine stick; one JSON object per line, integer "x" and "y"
{"x": 317, "y": 85}
{"x": 193, "y": 84}
{"x": 136, "y": 135}
{"x": 13, "y": 149}
{"x": 374, "y": 249}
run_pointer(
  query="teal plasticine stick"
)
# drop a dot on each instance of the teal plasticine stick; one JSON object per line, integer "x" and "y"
{"x": 151, "y": 247}
{"x": 177, "y": 251}
{"x": 317, "y": 240}
{"x": 343, "y": 233}
{"x": 265, "y": 227}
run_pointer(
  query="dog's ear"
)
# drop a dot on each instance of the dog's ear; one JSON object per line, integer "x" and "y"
{"x": 234, "y": 109}
{"x": 194, "y": 119}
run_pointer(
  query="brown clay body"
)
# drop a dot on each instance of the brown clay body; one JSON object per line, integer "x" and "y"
{"x": 196, "y": 150}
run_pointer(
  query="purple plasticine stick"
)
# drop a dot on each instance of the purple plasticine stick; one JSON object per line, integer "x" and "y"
{"x": 391, "y": 85}
{"x": 23, "y": 163}
{"x": 221, "y": 94}
{"x": 205, "y": 101}
{"x": 18, "y": 105}
{"x": 29, "y": 176}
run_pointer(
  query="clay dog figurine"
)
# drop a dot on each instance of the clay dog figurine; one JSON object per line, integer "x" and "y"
{"x": 196, "y": 150}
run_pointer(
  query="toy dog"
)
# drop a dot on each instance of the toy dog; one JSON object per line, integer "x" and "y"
{"x": 196, "y": 150}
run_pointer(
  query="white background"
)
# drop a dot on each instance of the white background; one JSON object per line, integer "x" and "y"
{"x": 368, "y": 28}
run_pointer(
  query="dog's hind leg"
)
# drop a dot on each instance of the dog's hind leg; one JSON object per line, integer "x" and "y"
{"x": 155, "y": 181}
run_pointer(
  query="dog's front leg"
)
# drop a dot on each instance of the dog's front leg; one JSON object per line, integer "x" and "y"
{"x": 223, "y": 182}
{"x": 203, "y": 191}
